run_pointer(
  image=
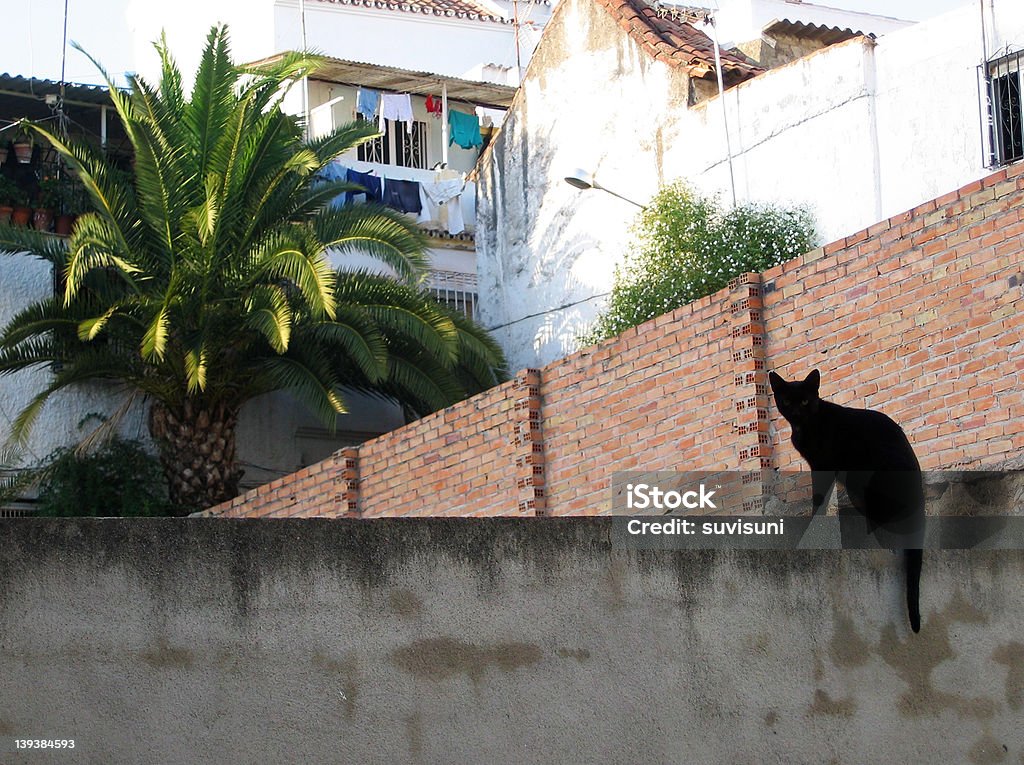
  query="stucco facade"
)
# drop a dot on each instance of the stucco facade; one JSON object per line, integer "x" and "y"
{"x": 856, "y": 132}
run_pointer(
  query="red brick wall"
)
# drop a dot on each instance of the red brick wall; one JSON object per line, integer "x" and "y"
{"x": 920, "y": 316}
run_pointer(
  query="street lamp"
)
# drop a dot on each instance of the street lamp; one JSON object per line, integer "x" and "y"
{"x": 583, "y": 180}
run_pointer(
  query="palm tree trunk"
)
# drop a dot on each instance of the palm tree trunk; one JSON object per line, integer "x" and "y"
{"x": 197, "y": 451}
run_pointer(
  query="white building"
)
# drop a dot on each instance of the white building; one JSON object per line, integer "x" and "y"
{"x": 468, "y": 39}
{"x": 859, "y": 130}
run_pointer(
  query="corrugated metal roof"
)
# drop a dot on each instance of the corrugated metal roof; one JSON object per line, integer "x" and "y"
{"x": 823, "y": 34}
{"x": 397, "y": 80}
{"x": 31, "y": 87}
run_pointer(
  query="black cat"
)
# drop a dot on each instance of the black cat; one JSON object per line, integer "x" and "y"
{"x": 870, "y": 456}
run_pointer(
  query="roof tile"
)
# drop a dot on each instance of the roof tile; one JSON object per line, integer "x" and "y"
{"x": 464, "y": 9}
{"x": 675, "y": 42}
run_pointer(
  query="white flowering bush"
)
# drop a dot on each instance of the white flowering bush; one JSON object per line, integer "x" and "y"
{"x": 687, "y": 247}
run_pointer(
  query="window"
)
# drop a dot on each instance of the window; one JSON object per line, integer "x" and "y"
{"x": 455, "y": 289}
{"x": 398, "y": 145}
{"x": 1006, "y": 121}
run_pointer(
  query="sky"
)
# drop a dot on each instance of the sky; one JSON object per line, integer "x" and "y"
{"x": 102, "y": 28}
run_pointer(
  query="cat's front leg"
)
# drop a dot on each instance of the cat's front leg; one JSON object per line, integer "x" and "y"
{"x": 822, "y": 482}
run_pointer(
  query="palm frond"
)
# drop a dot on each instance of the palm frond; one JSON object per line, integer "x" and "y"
{"x": 270, "y": 314}
{"x": 286, "y": 255}
{"x": 16, "y": 240}
{"x": 316, "y": 388}
{"x": 377, "y": 231}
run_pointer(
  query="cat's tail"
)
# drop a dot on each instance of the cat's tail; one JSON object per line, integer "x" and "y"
{"x": 913, "y": 561}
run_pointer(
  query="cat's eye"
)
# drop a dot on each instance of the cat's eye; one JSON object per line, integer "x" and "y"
{"x": 804, "y": 402}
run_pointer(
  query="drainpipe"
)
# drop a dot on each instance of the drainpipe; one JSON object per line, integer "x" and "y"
{"x": 710, "y": 19}
{"x": 444, "y": 123}
{"x": 305, "y": 80}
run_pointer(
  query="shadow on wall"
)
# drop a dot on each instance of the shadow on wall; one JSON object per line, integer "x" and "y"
{"x": 534, "y": 265}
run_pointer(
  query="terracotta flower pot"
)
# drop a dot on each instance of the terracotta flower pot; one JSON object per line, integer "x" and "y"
{"x": 42, "y": 219}
{"x": 23, "y": 151}
{"x": 63, "y": 225}
{"x": 5, "y": 214}
{"x": 21, "y": 215}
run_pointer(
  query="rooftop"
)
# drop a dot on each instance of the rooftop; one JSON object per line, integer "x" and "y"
{"x": 668, "y": 38}
{"x": 390, "y": 78}
{"x": 824, "y": 34}
{"x": 460, "y": 9}
{"x": 31, "y": 87}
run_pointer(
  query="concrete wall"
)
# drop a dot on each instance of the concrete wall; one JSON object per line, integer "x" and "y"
{"x": 501, "y": 642}
{"x": 856, "y": 132}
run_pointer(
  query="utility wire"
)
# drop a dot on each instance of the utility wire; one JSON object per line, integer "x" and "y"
{"x": 545, "y": 313}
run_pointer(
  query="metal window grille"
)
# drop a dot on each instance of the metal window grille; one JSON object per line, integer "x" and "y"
{"x": 409, "y": 148}
{"x": 455, "y": 289}
{"x": 1005, "y": 120}
{"x": 377, "y": 150}
{"x": 412, "y": 145}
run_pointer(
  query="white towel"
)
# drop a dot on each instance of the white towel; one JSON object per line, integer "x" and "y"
{"x": 442, "y": 205}
{"x": 396, "y": 107}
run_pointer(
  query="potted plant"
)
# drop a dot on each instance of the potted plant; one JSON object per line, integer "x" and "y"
{"x": 8, "y": 193}
{"x": 24, "y": 143}
{"x": 72, "y": 196}
{"x": 49, "y": 199}
{"x": 14, "y": 198}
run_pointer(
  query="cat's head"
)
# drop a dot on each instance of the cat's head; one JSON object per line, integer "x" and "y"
{"x": 799, "y": 400}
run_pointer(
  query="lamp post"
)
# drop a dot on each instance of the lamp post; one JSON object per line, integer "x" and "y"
{"x": 583, "y": 180}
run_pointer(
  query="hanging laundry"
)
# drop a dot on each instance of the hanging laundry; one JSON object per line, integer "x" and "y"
{"x": 366, "y": 103}
{"x": 434, "y": 106}
{"x": 369, "y": 182}
{"x": 396, "y": 107}
{"x": 442, "y": 205}
{"x": 335, "y": 172}
{"x": 464, "y": 129}
{"x": 403, "y": 195}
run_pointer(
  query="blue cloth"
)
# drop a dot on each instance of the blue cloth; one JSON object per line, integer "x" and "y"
{"x": 403, "y": 195}
{"x": 464, "y": 129}
{"x": 335, "y": 172}
{"x": 366, "y": 103}
{"x": 369, "y": 182}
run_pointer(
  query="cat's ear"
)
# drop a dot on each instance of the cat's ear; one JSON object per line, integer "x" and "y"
{"x": 775, "y": 380}
{"x": 813, "y": 380}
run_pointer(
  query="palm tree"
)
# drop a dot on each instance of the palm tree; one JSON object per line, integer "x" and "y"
{"x": 202, "y": 278}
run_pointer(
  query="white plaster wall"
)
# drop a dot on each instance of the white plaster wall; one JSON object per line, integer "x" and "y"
{"x": 260, "y": 28}
{"x": 187, "y": 24}
{"x": 26, "y": 280}
{"x": 856, "y": 132}
{"x": 449, "y": 46}
{"x": 743, "y": 20}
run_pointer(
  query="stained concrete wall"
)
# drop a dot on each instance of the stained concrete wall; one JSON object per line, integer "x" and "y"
{"x": 493, "y": 641}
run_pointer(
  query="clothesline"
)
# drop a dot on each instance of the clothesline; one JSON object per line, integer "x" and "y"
{"x": 437, "y": 202}
{"x": 464, "y": 128}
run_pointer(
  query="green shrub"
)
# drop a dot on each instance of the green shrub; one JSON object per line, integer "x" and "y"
{"x": 687, "y": 247}
{"x": 119, "y": 479}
